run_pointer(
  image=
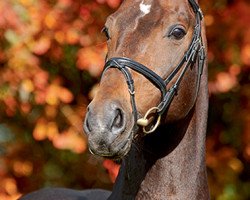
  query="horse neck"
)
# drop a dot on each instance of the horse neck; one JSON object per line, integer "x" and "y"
{"x": 168, "y": 164}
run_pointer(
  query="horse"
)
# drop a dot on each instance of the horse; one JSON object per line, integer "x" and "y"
{"x": 151, "y": 107}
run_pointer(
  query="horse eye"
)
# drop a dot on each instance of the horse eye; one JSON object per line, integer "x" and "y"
{"x": 178, "y": 33}
{"x": 106, "y": 32}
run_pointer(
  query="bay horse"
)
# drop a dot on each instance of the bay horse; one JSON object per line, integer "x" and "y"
{"x": 151, "y": 107}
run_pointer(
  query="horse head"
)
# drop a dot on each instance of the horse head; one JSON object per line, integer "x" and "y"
{"x": 153, "y": 67}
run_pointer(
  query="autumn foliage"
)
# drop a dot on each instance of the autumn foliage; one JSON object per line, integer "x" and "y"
{"x": 51, "y": 57}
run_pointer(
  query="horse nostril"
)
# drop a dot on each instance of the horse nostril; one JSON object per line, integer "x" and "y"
{"x": 118, "y": 122}
{"x": 89, "y": 129}
{"x": 87, "y": 126}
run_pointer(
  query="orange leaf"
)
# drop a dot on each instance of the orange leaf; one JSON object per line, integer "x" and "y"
{"x": 42, "y": 45}
{"x": 65, "y": 95}
{"x": 113, "y": 169}
{"x": 90, "y": 59}
{"x": 40, "y": 131}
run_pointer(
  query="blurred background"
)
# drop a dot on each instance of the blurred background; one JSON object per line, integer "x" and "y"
{"x": 51, "y": 57}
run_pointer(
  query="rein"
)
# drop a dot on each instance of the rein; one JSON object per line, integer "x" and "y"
{"x": 195, "y": 53}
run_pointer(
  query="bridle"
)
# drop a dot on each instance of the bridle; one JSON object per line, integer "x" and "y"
{"x": 195, "y": 50}
{"x": 195, "y": 53}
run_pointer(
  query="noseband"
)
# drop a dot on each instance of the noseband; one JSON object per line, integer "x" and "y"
{"x": 195, "y": 53}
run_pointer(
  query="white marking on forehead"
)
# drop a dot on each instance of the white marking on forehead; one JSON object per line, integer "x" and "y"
{"x": 145, "y": 8}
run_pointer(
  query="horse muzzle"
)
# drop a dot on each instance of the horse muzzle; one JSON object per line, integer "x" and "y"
{"x": 106, "y": 128}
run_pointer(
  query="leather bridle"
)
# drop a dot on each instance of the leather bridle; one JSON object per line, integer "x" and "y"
{"x": 195, "y": 53}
